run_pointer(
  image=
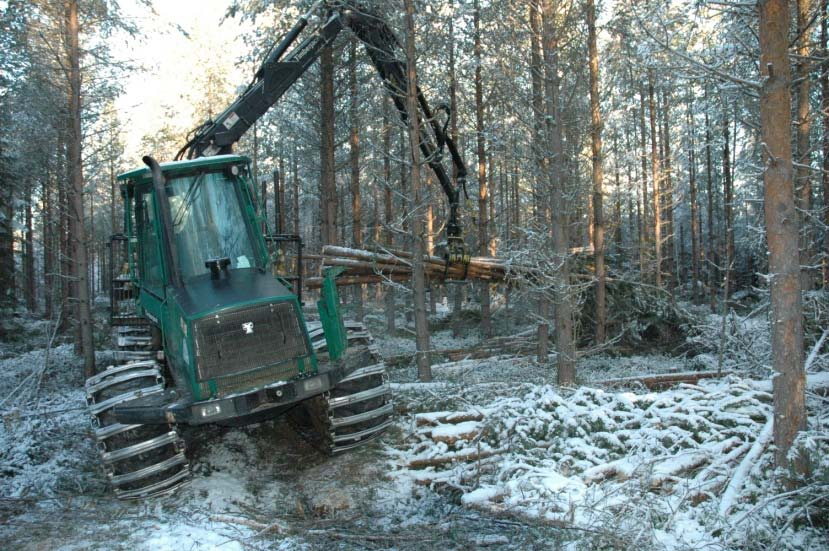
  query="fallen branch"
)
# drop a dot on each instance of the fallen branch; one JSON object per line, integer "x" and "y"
{"x": 732, "y": 491}
{"x": 261, "y": 527}
{"x": 654, "y": 382}
{"x": 368, "y": 537}
{"x": 815, "y": 349}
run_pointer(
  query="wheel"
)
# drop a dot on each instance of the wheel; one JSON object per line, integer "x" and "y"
{"x": 355, "y": 411}
{"x": 140, "y": 461}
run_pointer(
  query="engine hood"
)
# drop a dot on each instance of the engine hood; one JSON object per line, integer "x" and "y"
{"x": 202, "y": 295}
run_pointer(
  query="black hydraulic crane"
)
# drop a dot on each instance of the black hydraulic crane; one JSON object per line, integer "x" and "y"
{"x": 288, "y": 61}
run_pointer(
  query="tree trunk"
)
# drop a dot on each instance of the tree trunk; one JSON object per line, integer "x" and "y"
{"x": 483, "y": 189}
{"x": 643, "y": 216}
{"x": 537, "y": 70}
{"x": 781, "y": 229}
{"x": 824, "y": 103}
{"x": 296, "y": 193}
{"x": 709, "y": 190}
{"x": 803, "y": 175}
{"x": 64, "y": 252}
{"x": 278, "y": 206}
{"x": 7, "y": 297}
{"x": 31, "y": 296}
{"x": 668, "y": 190}
{"x": 328, "y": 184}
{"x": 354, "y": 157}
{"x": 47, "y": 229}
{"x": 728, "y": 209}
{"x": 263, "y": 191}
{"x": 692, "y": 190}
{"x": 457, "y": 305}
{"x": 656, "y": 180}
{"x": 78, "y": 232}
{"x": 596, "y": 149}
{"x": 113, "y": 217}
{"x": 388, "y": 213}
{"x": 279, "y": 195}
{"x": 424, "y": 367}
{"x": 558, "y": 185}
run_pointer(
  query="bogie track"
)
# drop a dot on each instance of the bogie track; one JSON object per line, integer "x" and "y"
{"x": 140, "y": 461}
{"x": 355, "y": 411}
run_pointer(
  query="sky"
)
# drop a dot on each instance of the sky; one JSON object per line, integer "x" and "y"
{"x": 165, "y": 82}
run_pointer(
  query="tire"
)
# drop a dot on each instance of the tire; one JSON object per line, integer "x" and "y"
{"x": 358, "y": 409}
{"x": 140, "y": 461}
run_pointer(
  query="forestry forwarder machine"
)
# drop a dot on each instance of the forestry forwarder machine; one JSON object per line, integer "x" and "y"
{"x": 208, "y": 321}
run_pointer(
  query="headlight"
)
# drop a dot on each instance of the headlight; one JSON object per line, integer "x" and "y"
{"x": 312, "y": 384}
{"x": 209, "y": 410}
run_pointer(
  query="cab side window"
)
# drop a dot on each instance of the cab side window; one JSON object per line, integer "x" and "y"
{"x": 151, "y": 272}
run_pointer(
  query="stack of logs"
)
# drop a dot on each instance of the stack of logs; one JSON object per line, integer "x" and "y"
{"x": 362, "y": 266}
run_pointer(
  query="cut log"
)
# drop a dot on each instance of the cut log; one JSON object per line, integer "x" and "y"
{"x": 363, "y": 262}
{"x": 316, "y": 282}
{"x": 455, "y": 417}
{"x": 445, "y": 459}
{"x": 655, "y": 382}
{"x": 450, "y": 433}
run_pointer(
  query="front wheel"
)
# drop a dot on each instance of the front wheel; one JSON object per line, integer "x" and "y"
{"x": 358, "y": 409}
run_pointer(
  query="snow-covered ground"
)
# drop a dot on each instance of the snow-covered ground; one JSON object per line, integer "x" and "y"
{"x": 490, "y": 455}
{"x": 684, "y": 468}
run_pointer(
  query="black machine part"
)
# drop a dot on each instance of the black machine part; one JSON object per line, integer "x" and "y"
{"x": 161, "y": 195}
{"x": 282, "y": 68}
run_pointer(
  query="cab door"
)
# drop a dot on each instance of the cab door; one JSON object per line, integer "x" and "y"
{"x": 151, "y": 272}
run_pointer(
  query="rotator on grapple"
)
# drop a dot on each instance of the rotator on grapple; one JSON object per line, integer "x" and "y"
{"x": 204, "y": 331}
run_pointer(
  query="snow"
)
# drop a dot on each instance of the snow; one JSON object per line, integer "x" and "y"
{"x": 507, "y": 460}
{"x": 456, "y": 431}
{"x": 672, "y": 469}
{"x": 732, "y": 492}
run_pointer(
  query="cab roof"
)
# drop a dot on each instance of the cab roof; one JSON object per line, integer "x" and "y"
{"x": 173, "y": 167}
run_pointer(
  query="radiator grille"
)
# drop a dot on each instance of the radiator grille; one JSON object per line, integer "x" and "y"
{"x": 252, "y": 379}
{"x": 235, "y": 343}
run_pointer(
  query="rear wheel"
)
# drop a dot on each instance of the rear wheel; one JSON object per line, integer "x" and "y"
{"x": 355, "y": 411}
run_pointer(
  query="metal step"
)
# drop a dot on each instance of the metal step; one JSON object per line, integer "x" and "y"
{"x": 363, "y": 434}
{"x": 114, "y": 369}
{"x": 98, "y": 408}
{"x": 159, "y": 488}
{"x": 143, "y": 328}
{"x": 123, "y": 377}
{"x": 109, "y": 431}
{"x": 340, "y": 401}
{"x": 127, "y": 478}
{"x": 128, "y": 331}
{"x": 130, "y": 451}
{"x": 387, "y": 409}
{"x": 130, "y": 356}
{"x": 133, "y": 342}
{"x": 376, "y": 369}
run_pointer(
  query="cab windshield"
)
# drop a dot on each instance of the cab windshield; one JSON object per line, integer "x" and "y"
{"x": 208, "y": 223}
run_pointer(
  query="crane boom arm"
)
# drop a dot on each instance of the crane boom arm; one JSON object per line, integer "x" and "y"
{"x": 282, "y": 68}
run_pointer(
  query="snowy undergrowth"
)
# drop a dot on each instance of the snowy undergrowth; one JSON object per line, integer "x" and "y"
{"x": 44, "y": 441}
{"x": 625, "y": 468}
